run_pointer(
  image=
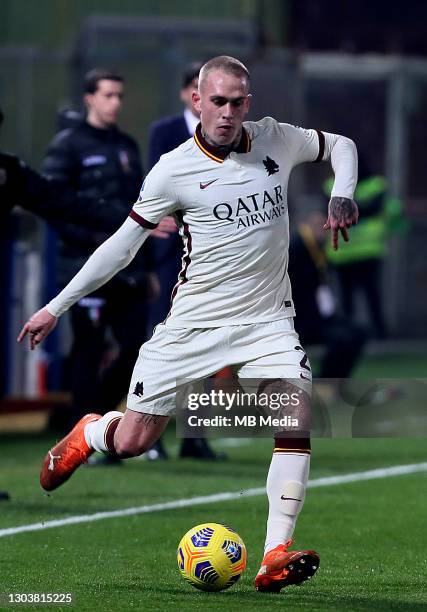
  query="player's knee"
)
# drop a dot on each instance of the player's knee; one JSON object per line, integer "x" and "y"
{"x": 292, "y": 497}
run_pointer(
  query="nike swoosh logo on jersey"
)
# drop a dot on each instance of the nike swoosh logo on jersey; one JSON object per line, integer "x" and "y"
{"x": 204, "y": 185}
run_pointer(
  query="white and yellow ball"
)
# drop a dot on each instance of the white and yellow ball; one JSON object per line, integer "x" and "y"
{"x": 211, "y": 557}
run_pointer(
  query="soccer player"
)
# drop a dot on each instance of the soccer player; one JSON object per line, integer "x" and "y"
{"x": 232, "y": 305}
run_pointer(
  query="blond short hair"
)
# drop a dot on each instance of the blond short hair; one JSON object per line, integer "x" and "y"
{"x": 226, "y": 63}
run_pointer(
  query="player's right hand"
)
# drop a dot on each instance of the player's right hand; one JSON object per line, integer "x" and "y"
{"x": 38, "y": 327}
{"x": 166, "y": 227}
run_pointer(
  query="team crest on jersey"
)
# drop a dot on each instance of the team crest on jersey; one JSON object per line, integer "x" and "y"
{"x": 139, "y": 389}
{"x": 270, "y": 165}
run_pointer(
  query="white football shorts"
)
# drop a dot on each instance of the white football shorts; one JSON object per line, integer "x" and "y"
{"x": 175, "y": 356}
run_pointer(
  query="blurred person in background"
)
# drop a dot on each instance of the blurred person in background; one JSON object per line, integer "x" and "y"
{"x": 169, "y": 132}
{"x": 95, "y": 159}
{"x": 359, "y": 264}
{"x": 317, "y": 320}
{"x": 165, "y": 135}
{"x": 21, "y": 186}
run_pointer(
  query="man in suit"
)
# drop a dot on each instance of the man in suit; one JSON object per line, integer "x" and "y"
{"x": 169, "y": 132}
{"x": 166, "y": 134}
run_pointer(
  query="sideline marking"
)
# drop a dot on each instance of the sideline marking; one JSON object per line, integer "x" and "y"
{"x": 396, "y": 470}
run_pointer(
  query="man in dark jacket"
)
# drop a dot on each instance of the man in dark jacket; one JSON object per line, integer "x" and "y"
{"x": 97, "y": 161}
{"x": 21, "y": 185}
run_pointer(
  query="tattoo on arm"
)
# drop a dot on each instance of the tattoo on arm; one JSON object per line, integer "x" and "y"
{"x": 147, "y": 419}
{"x": 342, "y": 213}
{"x": 343, "y": 210}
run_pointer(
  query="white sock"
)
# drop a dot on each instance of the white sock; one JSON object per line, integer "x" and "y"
{"x": 95, "y": 431}
{"x": 287, "y": 478}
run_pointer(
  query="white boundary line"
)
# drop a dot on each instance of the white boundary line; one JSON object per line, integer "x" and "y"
{"x": 396, "y": 470}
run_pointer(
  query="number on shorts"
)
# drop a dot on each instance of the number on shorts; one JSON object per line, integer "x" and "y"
{"x": 303, "y": 362}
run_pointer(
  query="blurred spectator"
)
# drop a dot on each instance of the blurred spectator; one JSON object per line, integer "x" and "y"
{"x": 22, "y": 186}
{"x": 95, "y": 159}
{"x": 316, "y": 319}
{"x": 169, "y": 132}
{"x": 165, "y": 135}
{"x": 358, "y": 263}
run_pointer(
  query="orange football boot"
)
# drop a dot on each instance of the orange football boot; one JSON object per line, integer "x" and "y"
{"x": 66, "y": 456}
{"x": 281, "y": 568}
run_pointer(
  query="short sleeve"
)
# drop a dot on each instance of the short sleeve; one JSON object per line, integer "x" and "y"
{"x": 156, "y": 199}
{"x": 303, "y": 145}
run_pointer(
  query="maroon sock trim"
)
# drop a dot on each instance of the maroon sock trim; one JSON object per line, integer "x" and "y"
{"x": 284, "y": 444}
{"x": 109, "y": 434}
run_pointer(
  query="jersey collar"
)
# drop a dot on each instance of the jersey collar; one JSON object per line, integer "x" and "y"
{"x": 217, "y": 153}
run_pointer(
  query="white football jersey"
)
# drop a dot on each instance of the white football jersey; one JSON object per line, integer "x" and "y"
{"x": 232, "y": 214}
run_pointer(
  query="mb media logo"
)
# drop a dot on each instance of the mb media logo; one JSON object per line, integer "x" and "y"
{"x": 270, "y": 165}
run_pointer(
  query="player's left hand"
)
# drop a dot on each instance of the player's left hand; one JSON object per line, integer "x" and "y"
{"x": 342, "y": 214}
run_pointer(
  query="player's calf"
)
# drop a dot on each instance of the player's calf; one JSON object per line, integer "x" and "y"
{"x": 125, "y": 435}
{"x": 137, "y": 432}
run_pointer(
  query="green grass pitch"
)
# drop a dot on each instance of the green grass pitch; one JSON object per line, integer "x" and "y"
{"x": 370, "y": 535}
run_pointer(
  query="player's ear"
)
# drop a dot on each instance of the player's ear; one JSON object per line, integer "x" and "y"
{"x": 87, "y": 99}
{"x": 248, "y": 103}
{"x": 195, "y": 98}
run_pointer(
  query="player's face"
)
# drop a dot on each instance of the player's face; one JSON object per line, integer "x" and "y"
{"x": 223, "y": 103}
{"x": 104, "y": 105}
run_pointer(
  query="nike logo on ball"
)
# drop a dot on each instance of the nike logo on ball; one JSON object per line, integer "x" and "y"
{"x": 204, "y": 185}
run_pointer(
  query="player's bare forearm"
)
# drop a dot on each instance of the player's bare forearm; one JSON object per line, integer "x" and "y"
{"x": 342, "y": 214}
{"x": 38, "y": 327}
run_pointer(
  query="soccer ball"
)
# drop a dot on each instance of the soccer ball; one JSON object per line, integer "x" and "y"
{"x": 211, "y": 557}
